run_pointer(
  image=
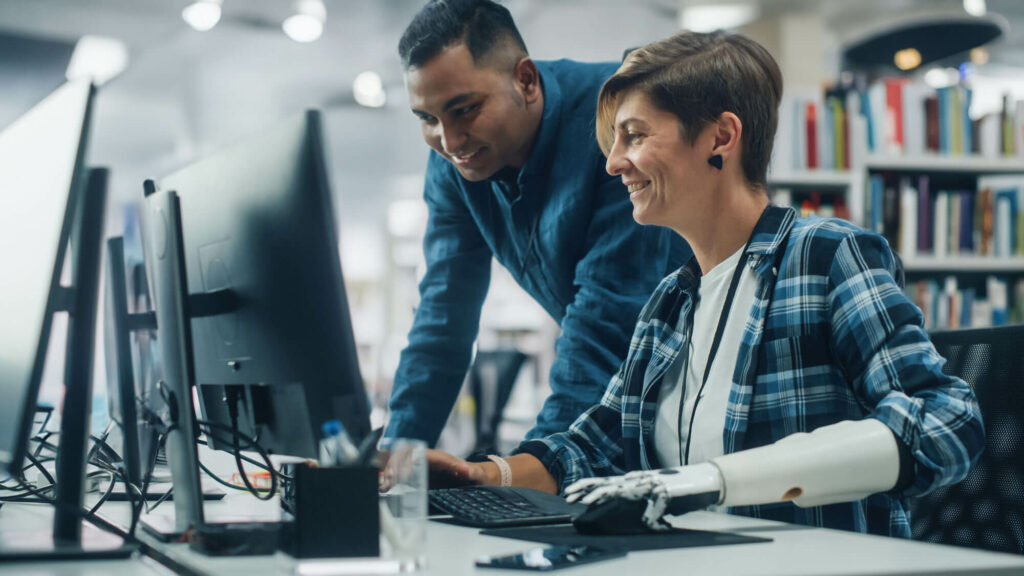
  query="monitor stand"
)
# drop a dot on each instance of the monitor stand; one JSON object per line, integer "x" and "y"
{"x": 20, "y": 545}
{"x": 68, "y": 537}
{"x": 162, "y": 527}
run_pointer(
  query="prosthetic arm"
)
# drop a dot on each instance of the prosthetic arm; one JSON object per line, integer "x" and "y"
{"x": 842, "y": 462}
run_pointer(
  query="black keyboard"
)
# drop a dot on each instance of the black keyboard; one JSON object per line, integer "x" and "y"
{"x": 494, "y": 507}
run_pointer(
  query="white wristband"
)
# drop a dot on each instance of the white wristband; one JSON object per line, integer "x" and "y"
{"x": 503, "y": 467}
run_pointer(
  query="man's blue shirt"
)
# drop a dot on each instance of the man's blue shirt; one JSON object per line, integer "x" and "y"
{"x": 564, "y": 229}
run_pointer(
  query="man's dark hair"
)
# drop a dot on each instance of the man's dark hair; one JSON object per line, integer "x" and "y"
{"x": 480, "y": 24}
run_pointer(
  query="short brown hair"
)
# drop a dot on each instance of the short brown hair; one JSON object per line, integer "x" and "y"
{"x": 697, "y": 77}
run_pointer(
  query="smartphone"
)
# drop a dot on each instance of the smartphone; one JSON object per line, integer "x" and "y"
{"x": 551, "y": 558}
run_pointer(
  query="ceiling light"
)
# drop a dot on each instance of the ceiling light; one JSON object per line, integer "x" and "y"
{"x": 307, "y": 23}
{"x": 975, "y": 7}
{"x": 202, "y": 15}
{"x": 368, "y": 90}
{"x": 719, "y": 16}
{"x": 98, "y": 59}
{"x": 942, "y": 77}
{"x": 936, "y": 35}
{"x": 979, "y": 56}
{"x": 907, "y": 59}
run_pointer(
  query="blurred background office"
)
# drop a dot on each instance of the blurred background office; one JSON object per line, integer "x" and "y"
{"x": 180, "y": 79}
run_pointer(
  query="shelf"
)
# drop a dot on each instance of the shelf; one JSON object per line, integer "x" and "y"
{"x": 943, "y": 163}
{"x": 953, "y": 264}
{"x": 810, "y": 179}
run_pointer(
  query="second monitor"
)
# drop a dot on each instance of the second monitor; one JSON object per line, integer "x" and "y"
{"x": 257, "y": 222}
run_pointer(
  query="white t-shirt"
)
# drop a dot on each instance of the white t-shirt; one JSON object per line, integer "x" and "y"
{"x": 709, "y": 421}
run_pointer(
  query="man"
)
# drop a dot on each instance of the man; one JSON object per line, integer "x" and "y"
{"x": 515, "y": 173}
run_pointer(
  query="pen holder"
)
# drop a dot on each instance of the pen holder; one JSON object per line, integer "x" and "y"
{"x": 336, "y": 511}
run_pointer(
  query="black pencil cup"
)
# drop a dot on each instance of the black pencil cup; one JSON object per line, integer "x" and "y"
{"x": 336, "y": 511}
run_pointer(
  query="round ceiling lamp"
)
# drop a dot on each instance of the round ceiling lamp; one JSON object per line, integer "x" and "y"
{"x": 916, "y": 40}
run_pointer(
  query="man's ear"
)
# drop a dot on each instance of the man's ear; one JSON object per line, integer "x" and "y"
{"x": 527, "y": 79}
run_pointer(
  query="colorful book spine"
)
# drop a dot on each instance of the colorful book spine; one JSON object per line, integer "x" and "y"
{"x": 924, "y": 216}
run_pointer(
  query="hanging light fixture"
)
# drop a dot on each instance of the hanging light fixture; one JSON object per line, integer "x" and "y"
{"x": 918, "y": 37}
{"x": 97, "y": 58}
{"x": 368, "y": 90}
{"x": 202, "y": 15}
{"x": 307, "y": 23}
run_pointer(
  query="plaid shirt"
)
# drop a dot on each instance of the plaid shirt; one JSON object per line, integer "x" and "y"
{"x": 830, "y": 337}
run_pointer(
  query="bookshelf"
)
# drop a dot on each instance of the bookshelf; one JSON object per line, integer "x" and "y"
{"x": 962, "y": 264}
{"x": 909, "y": 162}
{"x": 827, "y": 179}
{"x": 930, "y": 163}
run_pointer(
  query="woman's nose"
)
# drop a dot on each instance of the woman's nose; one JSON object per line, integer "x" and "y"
{"x": 617, "y": 162}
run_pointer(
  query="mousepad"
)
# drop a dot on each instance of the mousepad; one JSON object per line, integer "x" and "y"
{"x": 566, "y": 535}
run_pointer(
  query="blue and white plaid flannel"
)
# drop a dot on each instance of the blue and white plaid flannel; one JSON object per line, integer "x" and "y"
{"x": 830, "y": 337}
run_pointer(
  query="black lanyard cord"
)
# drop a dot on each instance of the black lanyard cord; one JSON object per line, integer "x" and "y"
{"x": 684, "y": 457}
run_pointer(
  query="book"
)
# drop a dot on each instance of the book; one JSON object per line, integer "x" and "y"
{"x": 811, "y": 130}
{"x": 924, "y": 216}
{"x": 940, "y": 246}
{"x": 894, "y": 115}
{"x": 943, "y": 121}
{"x": 891, "y": 215}
{"x": 966, "y": 222}
{"x": 908, "y": 217}
{"x": 931, "y": 113}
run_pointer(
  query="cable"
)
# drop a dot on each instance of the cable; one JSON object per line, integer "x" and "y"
{"x": 80, "y": 513}
{"x": 236, "y": 449}
{"x": 256, "y": 463}
{"x": 222, "y": 481}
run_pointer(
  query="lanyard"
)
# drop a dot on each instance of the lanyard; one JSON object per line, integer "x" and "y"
{"x": 684, "y": 457}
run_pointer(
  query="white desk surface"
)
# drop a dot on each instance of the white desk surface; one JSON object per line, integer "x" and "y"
{"x": 795, "y": 550}
{"x": 451, "y": 550}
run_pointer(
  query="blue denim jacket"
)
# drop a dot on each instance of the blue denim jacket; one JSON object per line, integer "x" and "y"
{"x": 564, "y": 229}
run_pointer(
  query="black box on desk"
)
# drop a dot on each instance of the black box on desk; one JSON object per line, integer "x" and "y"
{"x": 336, "y": 511}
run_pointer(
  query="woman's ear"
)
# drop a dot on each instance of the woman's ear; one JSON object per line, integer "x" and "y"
{"x": 728, "y": 131}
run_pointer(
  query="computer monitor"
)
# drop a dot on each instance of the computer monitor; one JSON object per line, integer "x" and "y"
{"x": 242, "y": 255}
{"x": 48, "y": 200}
{"x": 40, "y": 165}
{"x": 258, "y": 220}
{"x": 130, "y": 350}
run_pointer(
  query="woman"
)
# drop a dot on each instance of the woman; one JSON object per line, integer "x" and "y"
{"x": 781, "y": 373}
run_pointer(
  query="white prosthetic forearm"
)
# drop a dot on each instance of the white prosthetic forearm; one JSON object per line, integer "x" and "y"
{"x": 842, "y": 462}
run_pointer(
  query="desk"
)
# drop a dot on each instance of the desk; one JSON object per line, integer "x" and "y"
{"x": 795, "y": 550}
{"x": 15, "y": 517}
{"x": 451, "y": 550}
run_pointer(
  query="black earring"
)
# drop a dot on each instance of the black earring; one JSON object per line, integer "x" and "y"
{"x": 716, "y": 161}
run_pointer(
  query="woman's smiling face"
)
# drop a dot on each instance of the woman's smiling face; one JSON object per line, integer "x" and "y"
{"x": 662, "y": 171}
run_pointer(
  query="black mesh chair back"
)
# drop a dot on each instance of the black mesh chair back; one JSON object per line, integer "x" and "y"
{"x": 986, "y": 509}
{"x": 491, "y": 379}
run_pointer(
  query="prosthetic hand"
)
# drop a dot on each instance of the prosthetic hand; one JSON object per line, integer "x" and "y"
{"x": 667, "y": 491}
{"x": 838, "y": 463}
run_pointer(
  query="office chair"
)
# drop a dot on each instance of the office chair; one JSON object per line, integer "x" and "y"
{"x": 986, "y": 509}
{"x": 491, "y": 379}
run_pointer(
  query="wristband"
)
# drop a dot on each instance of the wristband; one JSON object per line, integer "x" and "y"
{"x": 503, "y": 467}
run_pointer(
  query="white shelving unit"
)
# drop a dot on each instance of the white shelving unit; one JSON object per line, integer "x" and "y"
{"x": 954, "y": 264}
{"x": 810, "y": 179}
{"x": 944, "y": 163}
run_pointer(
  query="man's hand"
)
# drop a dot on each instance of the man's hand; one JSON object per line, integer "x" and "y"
{"x": 447, "y": 471}
{"x": 667, "y": 491}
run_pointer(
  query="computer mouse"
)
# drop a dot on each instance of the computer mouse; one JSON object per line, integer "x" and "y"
{"x": 621, "y": 516}
{"x": 614, "y": 516}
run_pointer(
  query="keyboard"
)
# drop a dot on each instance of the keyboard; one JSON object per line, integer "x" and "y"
{"x": 494, "y": 507}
